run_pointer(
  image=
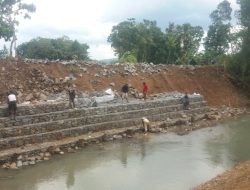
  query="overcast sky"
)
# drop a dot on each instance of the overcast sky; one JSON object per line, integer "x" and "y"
{"x": 91, "y": 21}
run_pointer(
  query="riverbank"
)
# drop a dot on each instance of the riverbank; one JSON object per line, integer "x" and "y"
{"x": 182, "y": 126}
{"x": 236, "y": 179}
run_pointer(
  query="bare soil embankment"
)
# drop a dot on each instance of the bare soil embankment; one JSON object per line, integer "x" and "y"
{"x": 236, "y": 179}
{"x": 33, "y": 79}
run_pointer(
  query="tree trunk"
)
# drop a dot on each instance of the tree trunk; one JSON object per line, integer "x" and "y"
{"x": 13, "y": 43}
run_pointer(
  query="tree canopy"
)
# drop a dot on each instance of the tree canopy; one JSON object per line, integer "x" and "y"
{"x": 239, "y": 67}
{"x": 61, "y": 48}
{"x": 218, "y": 35}
{"x": 178, "y": 44}
{"x": 9, "y": 12}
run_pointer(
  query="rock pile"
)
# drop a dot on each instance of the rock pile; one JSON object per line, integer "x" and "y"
{"x": 26, "y": 159}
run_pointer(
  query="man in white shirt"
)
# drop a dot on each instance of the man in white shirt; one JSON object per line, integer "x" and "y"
{"x": 12, "y": 107}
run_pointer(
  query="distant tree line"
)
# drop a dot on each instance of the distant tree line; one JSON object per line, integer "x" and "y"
{"x": 145, "y": 42}
{"x": 61, "y": 48}
{"x": 178, "y": 44}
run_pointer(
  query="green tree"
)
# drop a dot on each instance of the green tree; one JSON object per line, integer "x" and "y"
{"x": 61, "y": 48}
{"x": 79, "y": 51}
{"x": 218, "y": 36}
{"x": 173, "y": 44}
{"x": 123, "y": 37}
{"x": 150, "y": 43}
{"x": 128, "y": 57}
{"x": 4, "y": 52}
{"x": 183, "y": 42}
{"x": 179, "y": 44}
{"x": 190, "y": 39}
{"x": 236, "y": 39}
{"x": 145, "y": 39}
{"x": 10, "y": 11}
{"x": 239, "y": 67}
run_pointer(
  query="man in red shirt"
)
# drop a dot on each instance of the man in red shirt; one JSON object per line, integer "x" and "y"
{"x": 145, "y": 91}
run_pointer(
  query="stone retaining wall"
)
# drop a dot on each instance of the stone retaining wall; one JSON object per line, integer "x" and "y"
{"x": 62, "y": 113}
{"x": 74, "y": 120}
{"x": 42, "y": 133}
{"x": 60, "y": 123}
{"x": 33, "y": 109}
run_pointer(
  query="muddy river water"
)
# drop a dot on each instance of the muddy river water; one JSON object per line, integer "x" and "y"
{"x": 159, "y": 162}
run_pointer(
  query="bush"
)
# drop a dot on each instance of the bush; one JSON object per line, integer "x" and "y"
{"x": 4, "y": 52}
{"x": 128, "y": 57}
{"x": 239, "y": 69}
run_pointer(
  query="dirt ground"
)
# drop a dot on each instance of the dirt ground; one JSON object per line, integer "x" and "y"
{"x": 210, "y": 81}
{"x": 236, "y": 179}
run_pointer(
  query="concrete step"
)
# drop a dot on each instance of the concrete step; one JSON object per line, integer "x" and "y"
{"x": 34, "y": 116}
{"x": 86, "y": 120}
{"x": 13, "y": 142}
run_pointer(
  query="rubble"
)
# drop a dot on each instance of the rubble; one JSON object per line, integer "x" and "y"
{"x": 35, "y": 80}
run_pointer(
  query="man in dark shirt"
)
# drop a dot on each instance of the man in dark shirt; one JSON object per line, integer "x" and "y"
{"x": 72, "y": 95}
{"x": 124, "y": 91}
{"x": 185, "y": 101}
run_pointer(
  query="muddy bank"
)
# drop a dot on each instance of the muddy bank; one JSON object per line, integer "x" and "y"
{"x": 236, "y": 179}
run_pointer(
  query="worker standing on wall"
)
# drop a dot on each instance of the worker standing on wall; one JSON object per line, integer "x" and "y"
{"x": 145, "y": 91}
{"x": 124, "y": 91}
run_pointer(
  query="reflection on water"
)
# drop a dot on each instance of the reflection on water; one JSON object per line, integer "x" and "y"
{"x": 159, "y": 162}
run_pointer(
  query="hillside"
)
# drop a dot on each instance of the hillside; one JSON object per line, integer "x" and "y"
{"x": 36, "y": 79}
